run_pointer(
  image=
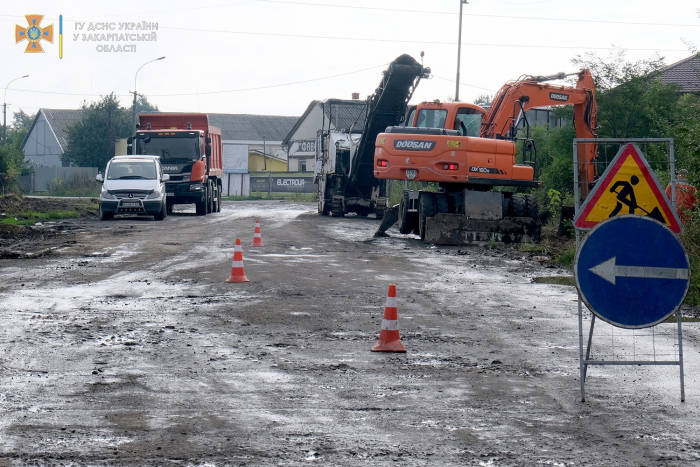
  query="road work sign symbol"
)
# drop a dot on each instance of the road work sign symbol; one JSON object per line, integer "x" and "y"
{"x": 632, "y": 271}
{"x": 628, "y": 186}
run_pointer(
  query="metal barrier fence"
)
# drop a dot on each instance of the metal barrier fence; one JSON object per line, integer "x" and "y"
{"x": 46, "y": 179}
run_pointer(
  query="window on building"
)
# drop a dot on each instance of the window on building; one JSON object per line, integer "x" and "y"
{"x": 302, "y": 165}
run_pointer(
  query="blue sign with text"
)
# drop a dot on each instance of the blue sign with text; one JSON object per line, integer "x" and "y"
{"x": 632, "y": 271}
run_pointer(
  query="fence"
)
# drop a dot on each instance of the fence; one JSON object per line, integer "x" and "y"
{"x": 280, "y": 183}
{"x": 46, "y": 179}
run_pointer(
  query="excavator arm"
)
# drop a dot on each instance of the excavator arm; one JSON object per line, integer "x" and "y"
{"x": 513, "y": 99}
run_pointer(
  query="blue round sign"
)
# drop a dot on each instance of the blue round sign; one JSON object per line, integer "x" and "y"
{"x": 632, "y": 271}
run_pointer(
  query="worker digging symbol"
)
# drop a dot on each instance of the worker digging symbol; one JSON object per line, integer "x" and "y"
{"x": 626, "y": 197}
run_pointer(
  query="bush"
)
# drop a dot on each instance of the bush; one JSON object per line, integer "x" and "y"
{"x": 690, "y": 237}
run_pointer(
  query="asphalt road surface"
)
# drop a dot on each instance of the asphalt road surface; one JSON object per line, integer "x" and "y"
{"x": 122, "y": 344}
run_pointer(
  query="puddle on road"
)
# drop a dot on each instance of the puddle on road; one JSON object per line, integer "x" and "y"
{"x": 273, "y": 214}
{"x": 555, "y": 280}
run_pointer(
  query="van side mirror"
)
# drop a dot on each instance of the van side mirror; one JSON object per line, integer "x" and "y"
{"x": 166, "y": 177}
{"x": 100, "y": 178}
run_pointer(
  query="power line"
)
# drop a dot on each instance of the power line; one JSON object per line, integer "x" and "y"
{"x": 395, "y": 10}
{"x": 271, "y": 85}
{"x": 465, "y": 84}
{"x": 392, "y": 10}
{"x": 400, "y": 41}
{"x": 215, "y": 92}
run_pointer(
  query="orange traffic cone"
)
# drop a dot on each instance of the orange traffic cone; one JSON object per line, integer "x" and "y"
{"x": 237, "y": 272}
{"x": 389, "y": 339}
{"x": 257, "y": 237}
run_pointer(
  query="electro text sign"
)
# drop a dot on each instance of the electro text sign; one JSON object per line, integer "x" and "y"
{"x": 632, "y": 271}
{"x": 628, "y": 186}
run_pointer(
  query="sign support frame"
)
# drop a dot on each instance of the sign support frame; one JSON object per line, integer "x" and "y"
{"x": 585, "y": 359}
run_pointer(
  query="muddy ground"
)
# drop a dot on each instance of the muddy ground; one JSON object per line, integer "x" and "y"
{"x": 123, "y": 344}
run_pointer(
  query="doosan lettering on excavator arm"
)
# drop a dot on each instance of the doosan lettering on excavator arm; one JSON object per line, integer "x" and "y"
{"x": 468, "y": 151}
{"x": 190, "y": 151}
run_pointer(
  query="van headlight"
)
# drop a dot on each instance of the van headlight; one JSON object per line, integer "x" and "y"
{"x": 155, "y": 194}
{"x": 107, "y": 195}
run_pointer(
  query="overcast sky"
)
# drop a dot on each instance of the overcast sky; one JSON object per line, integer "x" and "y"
{"x": 270, "y": 57}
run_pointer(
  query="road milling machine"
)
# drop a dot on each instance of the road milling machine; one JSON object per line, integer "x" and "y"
{"x": 344, "y": 160}
{"x": 468, "y": 152}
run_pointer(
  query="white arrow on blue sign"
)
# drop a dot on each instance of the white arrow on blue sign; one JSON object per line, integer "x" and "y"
{"x": 608, "y": 270}
{"x": 632, "y": 271}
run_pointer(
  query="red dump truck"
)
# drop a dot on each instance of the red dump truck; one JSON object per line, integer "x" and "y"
{"x": 190, "y": 152}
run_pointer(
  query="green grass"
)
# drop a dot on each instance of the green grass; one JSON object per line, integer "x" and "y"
{"x": 32, "y": 217}
{"x": 566, "y": 257}
{"x": 532, "y": 248}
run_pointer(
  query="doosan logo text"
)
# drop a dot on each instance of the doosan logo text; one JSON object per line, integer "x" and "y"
{"x": 412, "y": 145}
{"x": 555, "y": 96}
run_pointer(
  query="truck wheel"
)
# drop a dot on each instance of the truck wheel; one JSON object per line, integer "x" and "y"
{"x": 210, "y": 198}
{"x": 169, "y": 208}
{"x": 519, "y": 206}
{"x": 532, "y": 207}
{"x": 218, "y": 196}
{"x": 426, "y": 208}
{"x": 201, "y": 207}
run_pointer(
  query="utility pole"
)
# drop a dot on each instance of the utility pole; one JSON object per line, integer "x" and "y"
{"x": 133, "y": 108}
{"x": 459, "y": 46}
{"x": 264, "y": 154}
{"x": 4, "y": 111}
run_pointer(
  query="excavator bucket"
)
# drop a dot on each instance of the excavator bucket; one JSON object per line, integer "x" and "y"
{"x": 391, "y": 216}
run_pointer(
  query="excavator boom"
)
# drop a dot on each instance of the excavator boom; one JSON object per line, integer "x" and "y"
{"x": 514, "y": 99}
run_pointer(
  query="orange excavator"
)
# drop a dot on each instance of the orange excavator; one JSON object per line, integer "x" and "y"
{"x": 468, "y": 151}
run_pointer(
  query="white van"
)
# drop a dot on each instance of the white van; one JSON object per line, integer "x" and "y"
{"x": 133, "y": 185}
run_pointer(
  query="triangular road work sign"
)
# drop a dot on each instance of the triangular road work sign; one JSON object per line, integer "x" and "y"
{"x": 628, "y": 186}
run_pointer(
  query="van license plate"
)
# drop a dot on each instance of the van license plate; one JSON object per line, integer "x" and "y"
{"x": 411, "y": 173}
{"x": 131, "y": 205}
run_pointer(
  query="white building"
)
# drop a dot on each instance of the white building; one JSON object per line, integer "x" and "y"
{"x": 330, "y": 114}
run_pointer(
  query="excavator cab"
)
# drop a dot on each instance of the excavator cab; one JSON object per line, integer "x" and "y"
{"x": 462, "y": 117}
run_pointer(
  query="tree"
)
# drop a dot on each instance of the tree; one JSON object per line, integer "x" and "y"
{"x": 11, "y": 167}
{"x": 143, "y": 106}
{"x": 632, "y": 100}
{"x": 483, "y": 100}
{"x": 93, "y": 137}
{"x": 91, "y": 140}
{"x": 22, "y": 120}
{"x": 12, "y": 163}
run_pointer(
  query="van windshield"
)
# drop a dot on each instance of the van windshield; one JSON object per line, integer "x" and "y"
{"x": 125, "y": 170}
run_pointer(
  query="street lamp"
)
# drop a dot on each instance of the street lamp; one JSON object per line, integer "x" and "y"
{"x": 133, "y": 109}
{"x": 4, "y": 111}
{"x": 459, "y": 45}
